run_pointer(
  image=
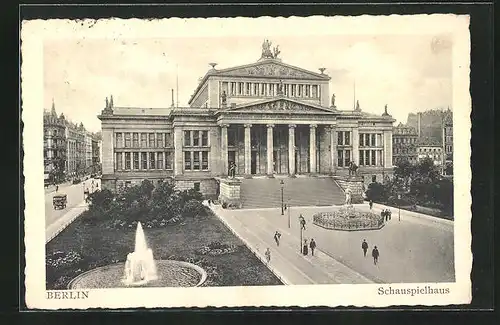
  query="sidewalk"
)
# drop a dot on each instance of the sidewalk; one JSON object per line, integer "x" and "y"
{"x": 55, "y": 228}
{"x": 287, "y": 262}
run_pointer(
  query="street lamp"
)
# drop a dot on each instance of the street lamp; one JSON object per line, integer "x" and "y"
{"x": 288, "y": 208}
{"x": 282, "y": 205}
{"x": 301, "y": 222}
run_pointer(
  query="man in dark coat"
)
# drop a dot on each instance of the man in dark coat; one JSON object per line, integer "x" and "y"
{"x": 277, "y": 237}
{"x": 375, "y": 255}
{"x": 312, "y": 245}
{"x": 371, "y": 204}
{"x": 364, "y": 247}
{"x": 305, "y": 249}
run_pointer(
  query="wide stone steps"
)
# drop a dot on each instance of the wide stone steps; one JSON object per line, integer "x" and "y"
{"x": 307, "y": 191}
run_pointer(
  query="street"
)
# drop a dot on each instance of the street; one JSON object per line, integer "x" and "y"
{"x": 412, "y": 250}
{"x": 75, "y": 197}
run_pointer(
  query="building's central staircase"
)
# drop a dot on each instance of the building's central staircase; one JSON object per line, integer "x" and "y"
{"x": 300, "y": 191}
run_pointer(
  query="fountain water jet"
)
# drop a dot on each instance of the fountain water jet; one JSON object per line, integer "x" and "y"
{"x": 140, "y": 267}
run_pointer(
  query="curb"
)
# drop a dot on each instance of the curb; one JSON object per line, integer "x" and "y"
{"x": 418, "y": 215}
{"x": 254, "y": 251}
{"x": 63, "y": 226}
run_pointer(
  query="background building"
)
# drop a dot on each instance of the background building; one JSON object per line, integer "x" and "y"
{"x": 54, "y": 146}
{"x": 448, "y": 144}
{"x": 96, "y": 153}
{"x": 261, "y": 119}
{"x": 88, "y": 152}
{"x": 404, "y": 144}
{"x": 430, "y": 151}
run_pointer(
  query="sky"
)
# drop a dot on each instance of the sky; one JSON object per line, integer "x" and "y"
{"x": 409, "y": 73}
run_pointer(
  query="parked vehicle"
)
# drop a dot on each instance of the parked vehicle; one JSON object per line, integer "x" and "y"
{"x": 59, "y": 201}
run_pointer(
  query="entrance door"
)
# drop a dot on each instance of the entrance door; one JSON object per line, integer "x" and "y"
{"x": 253, "y": 163}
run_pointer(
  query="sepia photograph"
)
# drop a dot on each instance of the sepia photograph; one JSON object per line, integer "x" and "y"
{"x": 247, "y": 162}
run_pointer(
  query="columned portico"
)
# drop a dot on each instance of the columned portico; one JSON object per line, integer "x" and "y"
{"x": 270, "y": 150}
{"x": 248, "y": 148}
{"x": 291, "y": 150}
{"x": 333, "y": 149}
{"x": 223, "y": 148}
{"x": 312, "y": 148}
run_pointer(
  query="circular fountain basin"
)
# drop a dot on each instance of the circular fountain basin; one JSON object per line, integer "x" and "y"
{"x": 170, "y": 274}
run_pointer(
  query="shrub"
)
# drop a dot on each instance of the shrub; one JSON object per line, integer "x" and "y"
{"x": 192, "y": 208}
{"x": 376, "y": 192}
{"x": 77, "y": 181}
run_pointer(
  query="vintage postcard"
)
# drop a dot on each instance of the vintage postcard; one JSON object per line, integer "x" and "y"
{"x": 301, "y": 161}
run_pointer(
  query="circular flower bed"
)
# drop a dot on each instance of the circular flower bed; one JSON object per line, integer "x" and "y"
{"x": 170, "y": 274}
{"x": 348, "y": 218}
{"x": 121, "y": 224}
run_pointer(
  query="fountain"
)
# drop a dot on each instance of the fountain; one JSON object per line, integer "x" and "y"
{"x": 140, "y": 267}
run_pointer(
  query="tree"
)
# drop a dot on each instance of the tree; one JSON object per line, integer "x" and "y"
{"x": 377, "y": 192}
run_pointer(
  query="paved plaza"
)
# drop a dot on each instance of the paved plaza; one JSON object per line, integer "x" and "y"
{"x": 412, "y": 250}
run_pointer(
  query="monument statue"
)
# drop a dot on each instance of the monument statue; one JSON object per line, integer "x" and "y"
{"x": 353, "y": 169}
{"x": 232, "y": 169}
{"x": 348, "y": 197}
{"x": 224, "y": 98}
{"x": 333, "y": 100}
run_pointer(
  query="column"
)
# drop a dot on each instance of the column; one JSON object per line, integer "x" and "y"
{"x": 333, "y": 149}
{"x": 248, "y": 150}
{"x": 291, "y": 150}
{"x": 355, "y": 145}
{"x": 223, "y": 148}
{"x": 270, "y": 150}
{"x": 312, "y": 148}
{"x": 178, "y": 157}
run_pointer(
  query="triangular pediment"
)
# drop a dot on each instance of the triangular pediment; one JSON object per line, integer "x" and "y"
{"x": 278, "y": 105}
{"x": 271, "y": 69}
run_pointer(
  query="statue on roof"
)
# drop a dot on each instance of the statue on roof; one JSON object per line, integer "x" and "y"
{"x": 266, "y": 50}
{"x": 223, "y": 98}
{"x": 357, "y": 106}
{"x": 111, "y": 102}
{"x": 276, "y": 51}
{"x": 107, "y": 102}
{"x": 333, "y": 101}
{"x": 385, "y": 111}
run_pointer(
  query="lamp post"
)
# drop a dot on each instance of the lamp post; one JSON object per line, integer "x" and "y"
{"x": 399, "y": 207}
{"x": 288, "y": 208}
{"x": 282, "y": 205}
{"x": 301, "y": 218}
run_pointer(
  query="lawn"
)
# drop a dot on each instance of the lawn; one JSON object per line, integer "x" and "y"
{"x": 83, "y": 246}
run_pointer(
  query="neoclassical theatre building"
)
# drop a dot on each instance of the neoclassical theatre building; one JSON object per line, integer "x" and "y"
{"x": 260, "y": 120}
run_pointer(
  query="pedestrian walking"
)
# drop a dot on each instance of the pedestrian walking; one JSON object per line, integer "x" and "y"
{"x": 277, "y": 237}
{"x": 364, "y": 247}
{"x": 389, "y": 214}
{"x": 375, "y": 255}
{"x": 268, "y": 255}
{"x": 371, "y": 204}
{"x": 57, "y": 188}
{"x": 305, "y": 249}
{"x": 312, "y": 245}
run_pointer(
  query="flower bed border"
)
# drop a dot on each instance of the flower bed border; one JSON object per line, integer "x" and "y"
{"x": 345, "y": 229}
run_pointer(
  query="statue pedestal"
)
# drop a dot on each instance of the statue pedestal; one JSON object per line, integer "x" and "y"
{"x": 230, "y": 192}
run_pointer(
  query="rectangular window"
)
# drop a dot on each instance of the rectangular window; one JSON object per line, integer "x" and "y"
{"x": 249, "y": 89}
{"x": 196, "y": 160}
{"x": 340, "y": 158}
{"x": 144, "y": 140}
{"x": 151, "y": 140}
{"x": 347, "y": 139}
{"x": 168, "y": 139}
{"x": 196, "y": 138}
{"x": 152, "y": 160}
{"x": 204, "y": 138}
{"x": 233, "y": 88}
{"x": 299, "y": 90}
{"x": 196, "y": 186}
{"x": 347, "y": 157}
{"x": 168, "y": 160}
{"x": 144, "y": 160}
{"x": 240, "y": 88}
{"x": 187, "y": 138}
{"x": 187, "y": 160}
{"x": 204, "y": 160}
{"x": 136, "y": 140}
{"x": 361, "y": 157}
{"x": 119, "y": 165}
{"x": 159, "y": 160}
{"x": 373, "y": 140}
{"x": 255, "y": 89}
{"x": 340, "y": 138}
{"x": 293, "y": 90}
{"x": 361, "y": 139}
{"x": 231, "y": 137}
{"x": 159, "y": 137}
{"x": 127, "y": 140}
{"x": 127, "y": 160}
{"x": 367, "y": 157}
{"x": 136, "y": 160}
